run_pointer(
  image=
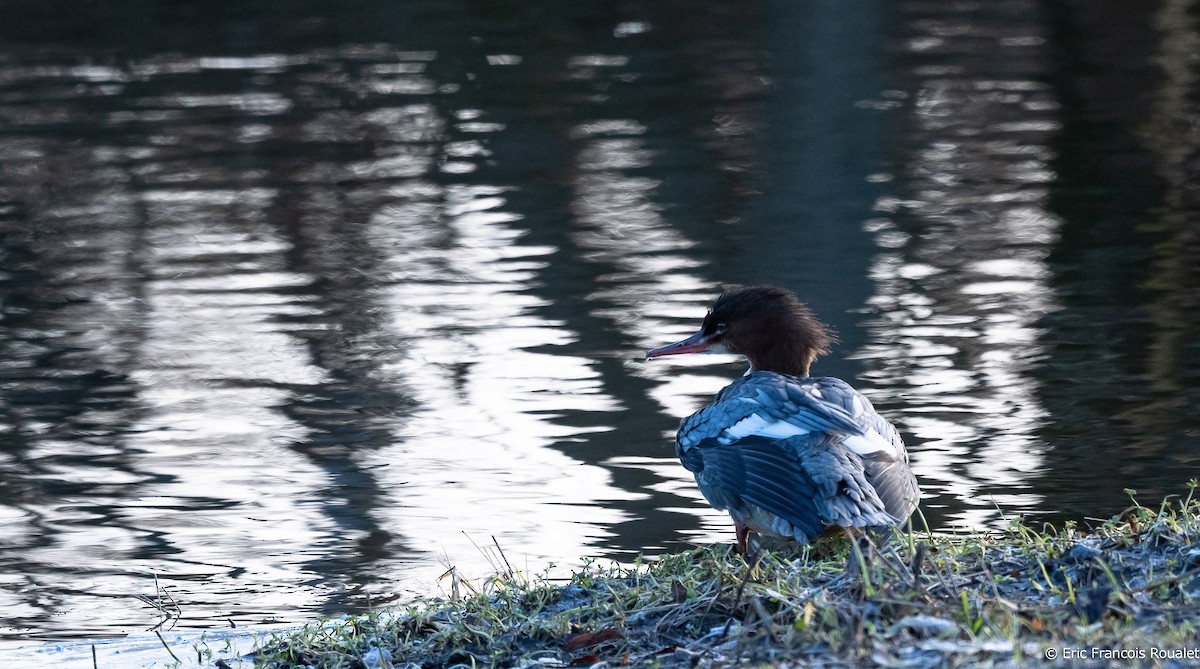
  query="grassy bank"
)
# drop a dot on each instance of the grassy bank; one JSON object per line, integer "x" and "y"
{"x": 1125, "y": 593}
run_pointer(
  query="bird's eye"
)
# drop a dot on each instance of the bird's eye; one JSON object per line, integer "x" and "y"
{"x": 720, "y": 329}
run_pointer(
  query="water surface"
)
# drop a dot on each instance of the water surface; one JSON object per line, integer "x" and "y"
{"x": 300, "y": 307}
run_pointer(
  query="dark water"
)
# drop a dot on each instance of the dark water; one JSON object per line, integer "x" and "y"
{"x": 302, "y": 302}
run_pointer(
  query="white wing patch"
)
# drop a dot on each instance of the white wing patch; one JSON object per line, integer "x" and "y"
{"x": 870, "y": 442}
{"x": 756, "y": 425}
{"x": 781, "y": 430}
{"x": 856, "y": 406}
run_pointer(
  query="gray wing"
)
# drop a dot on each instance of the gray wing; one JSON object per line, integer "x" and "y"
{"x": 767, "y": 404}
{"x": 892, "y": 478}
{"x": 809, "y": 452}
{"x": 803, "y": 484}
{"x": 756, "y": 474}
{"x": 887, "y": 470}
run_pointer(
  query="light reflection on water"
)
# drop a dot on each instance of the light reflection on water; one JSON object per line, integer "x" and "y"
{"x": 961, "y": 274}
{"x": 288, "y": 331}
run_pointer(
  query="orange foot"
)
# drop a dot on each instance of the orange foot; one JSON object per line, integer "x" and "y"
{"x": 743, "y": 536}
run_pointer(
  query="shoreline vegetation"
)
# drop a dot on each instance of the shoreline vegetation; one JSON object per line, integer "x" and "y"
{"x": 1124, "y": 593}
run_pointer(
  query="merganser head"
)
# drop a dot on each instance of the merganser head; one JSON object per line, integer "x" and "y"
{"x": 768, "y": 325}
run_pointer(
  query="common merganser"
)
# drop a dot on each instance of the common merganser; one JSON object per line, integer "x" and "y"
{"x": 786, "y": 454}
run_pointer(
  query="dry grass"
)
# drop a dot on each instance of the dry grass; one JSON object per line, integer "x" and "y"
{"x": 1130, "y": 587}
